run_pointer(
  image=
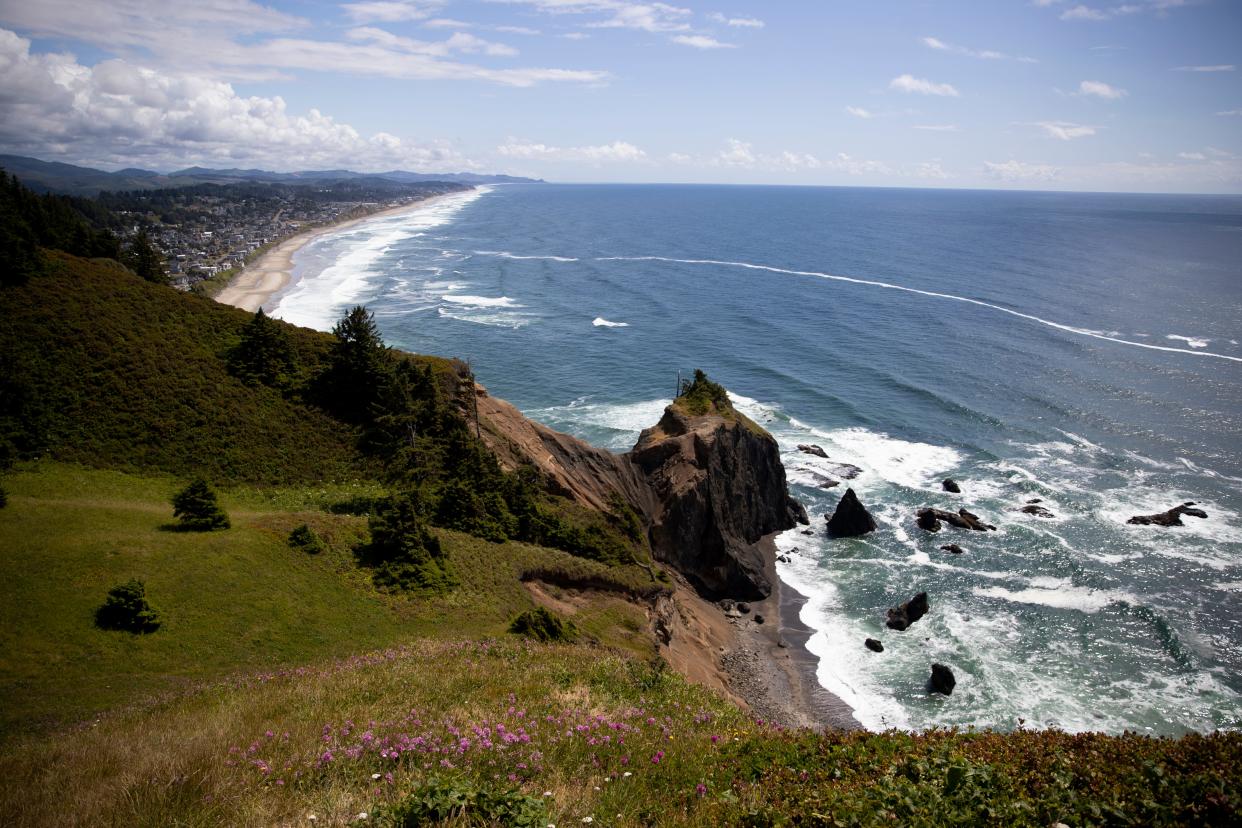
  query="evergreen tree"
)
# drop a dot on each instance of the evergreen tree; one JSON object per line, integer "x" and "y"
{"x": 196, "y": 509}
{"x": 361, "y": 375}
{"x": 142, "y": 258}
{"x": 126, "y": 609}
{"x": 264, "y": 356}
{"x": 19, "y": 248}
{"x": 403, "y": 552}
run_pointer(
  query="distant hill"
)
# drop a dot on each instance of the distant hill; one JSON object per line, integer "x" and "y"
{"x": 54, "y": 176}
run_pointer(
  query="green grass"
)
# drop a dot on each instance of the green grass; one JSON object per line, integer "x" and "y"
{"x": 592, "y": 734}
{"x": 230, "y": 600}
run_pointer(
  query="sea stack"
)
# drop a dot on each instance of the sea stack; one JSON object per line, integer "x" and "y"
{"x": 900, "y": 618}
{"x": 942, "y": 680}
{"x": 851, "y": 518}
{"x": 1173, "y": 517}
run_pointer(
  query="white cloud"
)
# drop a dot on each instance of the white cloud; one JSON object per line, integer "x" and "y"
{"x": 701, "y": 42}
{"x": 522, "y": 30}
{"x": 937, "y": 127}
{"x": 576, "y": 36}
{"x": 617, "y": 151}
{"x": 1220, "y": 67}
{"x": 1192, "y": 156}
{"x": 859, "y": 112}
{"x": 1095, "y": 13}
{"x": 846, "y": 163}
{"x": 737, "y": 22}
{"x": 1228, "y": 112}
{"x": 1100, "y": 89}
{"x": 616, "y": 14}
{"x": 230, "y": 39}
{"x": 392, "y": 11}
{"x": 922, "y": 86}
{"x": 680, "y": 158}
{"x": 737, "y": 154}
{"x": 930, "y": 169}
{"x": 1064, "y": 130}
{"x": 1016, "y": 171}
{"x": 1084, "y": 13}
{"x": 984, "y": 54}
{"x": 116, "y": 113}
{"x": 447, "y": 23}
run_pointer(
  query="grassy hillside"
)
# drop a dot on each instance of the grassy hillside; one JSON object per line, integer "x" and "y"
{"x": 112, "y": 371}
{"x": 230, "y": 601}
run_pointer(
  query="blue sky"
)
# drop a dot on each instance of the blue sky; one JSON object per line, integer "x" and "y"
{"x": 1125, "y": 95}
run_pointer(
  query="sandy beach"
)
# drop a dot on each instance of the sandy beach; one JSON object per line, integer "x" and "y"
{"x": 270, "y": 273}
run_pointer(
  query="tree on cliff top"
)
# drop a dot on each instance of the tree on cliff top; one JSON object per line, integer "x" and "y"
{"x": 264, "y": 355}
{"x": 362, "y": 373}
{"x": 702, "y": 396}
{"x": 196, "y": 509}
{"x": 142, "y": 258}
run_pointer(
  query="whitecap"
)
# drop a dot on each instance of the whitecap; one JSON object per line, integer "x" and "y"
{"x": 1058, "y": 594}
{"x": 482, "y": 301}
{"x": 505, "y": 254}
{"x": 601, "y": 322}
{"x": 1192, "y": 341}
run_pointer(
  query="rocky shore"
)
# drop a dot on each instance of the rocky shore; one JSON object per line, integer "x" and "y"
{"x": 712, "y": 493}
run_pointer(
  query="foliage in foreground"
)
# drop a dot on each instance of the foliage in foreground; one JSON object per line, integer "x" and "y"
{"x": 437, "y": 728}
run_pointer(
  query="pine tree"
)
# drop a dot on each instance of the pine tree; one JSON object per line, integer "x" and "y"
{"x": 142, "y": 258}
{"x": 196, "y": 509}
{"x": 361, "y": 376}
{"x": 126, "y": 609}
{"x": 264, "y": 356}
{"x": 403, "y": 552}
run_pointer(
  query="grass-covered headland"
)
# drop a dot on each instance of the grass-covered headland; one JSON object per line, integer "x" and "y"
{"x": 367, "y": 620}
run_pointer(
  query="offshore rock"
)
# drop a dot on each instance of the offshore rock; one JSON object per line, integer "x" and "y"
{"x": 900, "y": 618}
{"x": 1036, "y": 510}
{"x": 816, "y": 450}
{"x": 942, "y": 680}
{"x": 1173, "y": 517}
{"x": 952, "y": 547}
{"x": 929, "y": 519}
{"x": 850, "y": 518}
{"x": 719, "y": 489}
{"x": 874, "y": 645}
{"x": 950, "y": 485}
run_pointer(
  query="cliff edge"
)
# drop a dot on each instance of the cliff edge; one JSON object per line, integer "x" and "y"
{"x": 707, "y": 482}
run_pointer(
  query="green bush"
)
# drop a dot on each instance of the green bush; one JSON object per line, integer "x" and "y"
{"x": 438, "y": 800}
{"x": 542, "y": 625}
{"x": 196, "y": 509}
{"x": 126, "y": 609}
{"x": 305, "y": 539}
{"x": 702, "y": 396}
{"x": 403, "y": 553}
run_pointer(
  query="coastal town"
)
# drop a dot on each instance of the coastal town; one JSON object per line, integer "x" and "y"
{"x": 209, "y": 232}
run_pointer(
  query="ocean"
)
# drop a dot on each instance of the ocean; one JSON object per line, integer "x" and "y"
{"x": 1082, "y": 349}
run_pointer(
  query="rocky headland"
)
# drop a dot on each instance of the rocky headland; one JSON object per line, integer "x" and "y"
{"x": 710, "y": 490}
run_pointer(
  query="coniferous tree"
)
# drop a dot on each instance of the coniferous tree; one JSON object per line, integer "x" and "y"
{"x": 265, "y": 355}
{"x": 403, "y": 552}
{"x": 361, "y": 375}
{"x": 196, "y": 509}
{"x": 142, "y": 258}
{"x": 126, "y": 609}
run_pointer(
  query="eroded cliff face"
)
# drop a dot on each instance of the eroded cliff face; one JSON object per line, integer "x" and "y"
{"x": 709, "y": 488}
{"x": 719, "y": 490}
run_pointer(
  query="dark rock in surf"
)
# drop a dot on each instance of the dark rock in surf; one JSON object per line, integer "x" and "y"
{"x": 850, "y": 518}
{"x": 952, "y": 547}
{"x": 942, "y": 680}
{"x": 950, "y": 485}
{"x": 816, "y": 450}
{"x": 874, "y": 645}
{"x": 1036, "y": 510}
{"x": 1173, "y": 517}
{"x": 742, "y": 607}
{"x": 758, "y": 618}
{"x": 900, "y": 618}
{"x": 929, "y": 519}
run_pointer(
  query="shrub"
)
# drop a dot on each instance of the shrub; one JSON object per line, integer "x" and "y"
{"x": 438, "y": 800}
{"x": 403, "y": 552}
{"x": 542, "y": 625}
{"x": 305, "y": 539}
{"x": 126, "y": 609}
{"x": 702, "y": 396}
{"x": 196, "y": 508}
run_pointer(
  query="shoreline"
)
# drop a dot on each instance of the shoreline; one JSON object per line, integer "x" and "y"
{"x": 272, "y": 272}
{"x": 764, "y": 668}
